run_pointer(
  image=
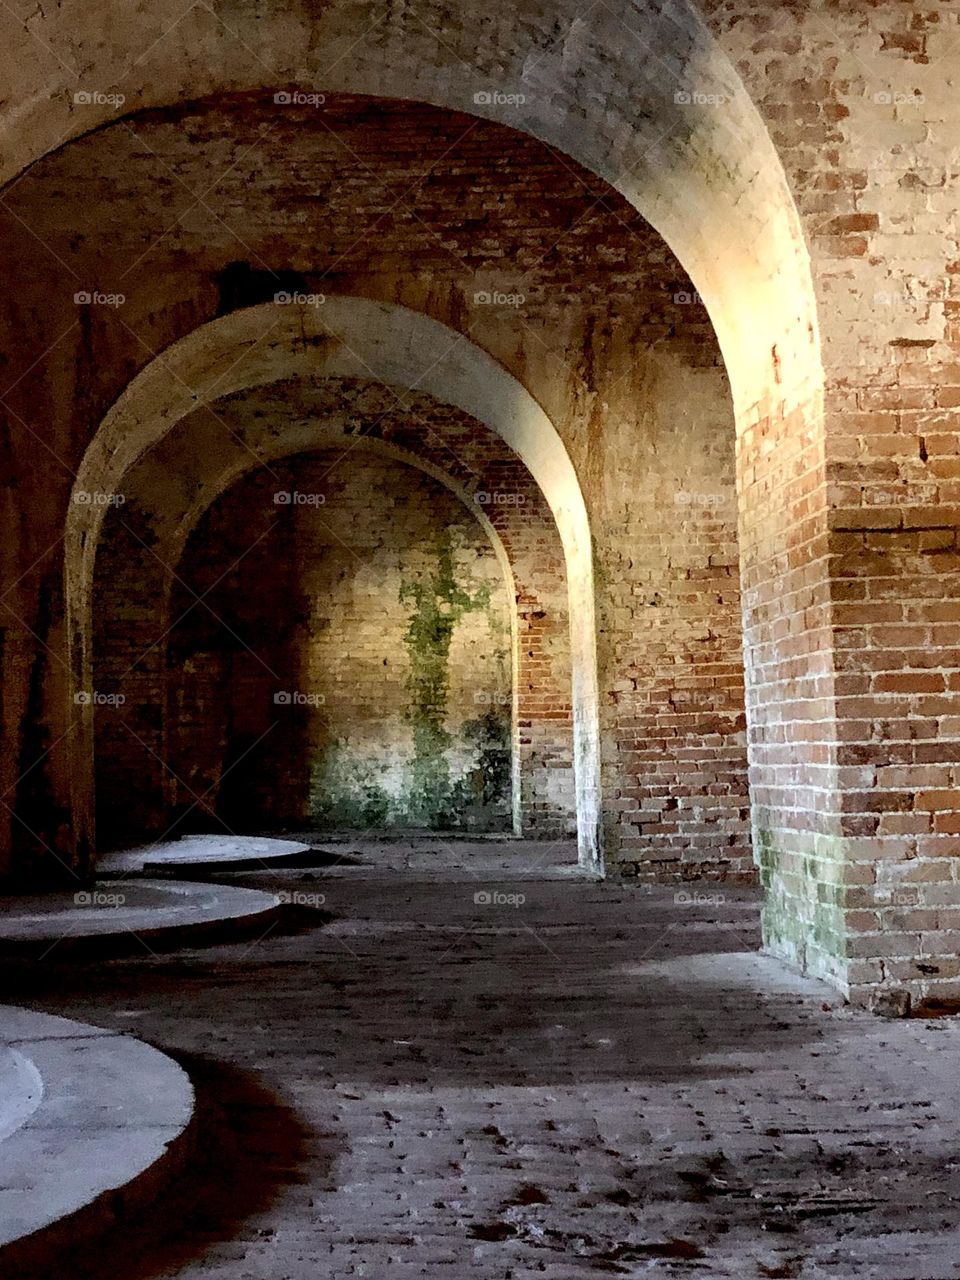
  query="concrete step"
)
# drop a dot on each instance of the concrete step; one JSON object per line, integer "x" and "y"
{"x": 136, "y": 917}
{"x": 95, "y": 1125}
{"x": 207, "y": 852}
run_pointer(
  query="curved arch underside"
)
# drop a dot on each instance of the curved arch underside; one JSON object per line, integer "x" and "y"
{"x": 176, "y": 483}
{"x": 647, "y": 100}
{"x": 342, "y": 338}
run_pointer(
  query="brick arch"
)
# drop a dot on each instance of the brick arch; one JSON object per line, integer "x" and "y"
{"x": 352, "y": 338}
{"x": 172, "y": 487}
{"x": 647, "y": 100}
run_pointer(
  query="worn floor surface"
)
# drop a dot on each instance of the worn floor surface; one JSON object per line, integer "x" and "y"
{"x": 485, "y": 1066}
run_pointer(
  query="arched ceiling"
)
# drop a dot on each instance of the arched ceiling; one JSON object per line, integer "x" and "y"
{"x": 644, "y": 97}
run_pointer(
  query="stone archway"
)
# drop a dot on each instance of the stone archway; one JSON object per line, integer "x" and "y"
{"x": 652, "y": 104}
{"x": 648, "y": 101}
{"x": 176, "y": 483}
{"x": 343, "y": 337}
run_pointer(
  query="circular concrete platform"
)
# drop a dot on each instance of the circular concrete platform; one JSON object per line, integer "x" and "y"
{"x": 94, "y": 1124}
{"x": 141, "y": 916}
{"x": 203, "y": 853}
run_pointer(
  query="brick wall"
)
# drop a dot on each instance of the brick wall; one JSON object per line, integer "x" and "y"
{"x": 671, "y": 662}
{"x": 860, "y": 104}
{"x": 597, "y": 319}
{"x": 354, "y": 667}
{"x": 142, "y": 545}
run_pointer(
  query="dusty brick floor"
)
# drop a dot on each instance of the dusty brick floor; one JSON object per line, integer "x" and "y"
{"x": 597, "y": 1080}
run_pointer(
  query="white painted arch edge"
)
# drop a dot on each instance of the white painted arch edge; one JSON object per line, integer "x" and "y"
{"x": 342, "y": 337}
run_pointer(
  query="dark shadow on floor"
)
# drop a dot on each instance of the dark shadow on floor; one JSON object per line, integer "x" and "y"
{"x": 247, "y": 1147}
{"x": 419, "y": 985}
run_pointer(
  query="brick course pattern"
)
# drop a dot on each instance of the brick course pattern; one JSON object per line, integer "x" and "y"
{"x": 313, "y": 605}
{"x": 860, "y": 106}
{"x": 613, "y": 342}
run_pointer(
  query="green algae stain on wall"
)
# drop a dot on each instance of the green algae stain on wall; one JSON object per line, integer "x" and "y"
{"x": 439, "y": 603}
{"x": 346, "y": 792}
{"x": 446, "y": 754}
{"x": 487, "y": 787}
